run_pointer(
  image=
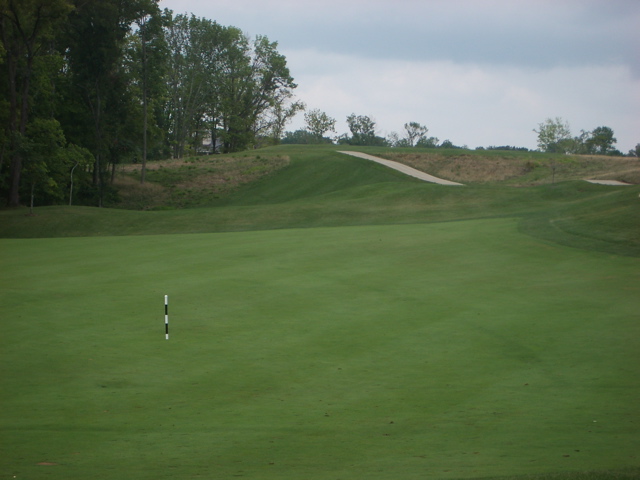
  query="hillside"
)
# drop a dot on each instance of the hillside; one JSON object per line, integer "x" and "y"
{"x": 302, "y": 187}
{"x": 214, "y": 180}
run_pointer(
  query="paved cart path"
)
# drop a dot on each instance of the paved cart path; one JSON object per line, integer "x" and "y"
{"x": 403, "y": 168}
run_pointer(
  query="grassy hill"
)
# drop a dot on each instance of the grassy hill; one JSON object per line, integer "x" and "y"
{"x": 329, "y": 318}
{"x": 300, "y": 186}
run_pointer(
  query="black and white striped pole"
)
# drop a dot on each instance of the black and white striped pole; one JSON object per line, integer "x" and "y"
{"x": 166, "y": 317}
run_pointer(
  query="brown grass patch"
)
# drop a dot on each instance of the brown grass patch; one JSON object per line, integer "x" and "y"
{"x": 521, "y": 169}
{"x": 193, "y": 181}
{"x": 465, "y": 168}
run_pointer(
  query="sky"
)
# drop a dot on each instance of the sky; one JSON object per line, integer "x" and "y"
{"x": 475, "y": 72}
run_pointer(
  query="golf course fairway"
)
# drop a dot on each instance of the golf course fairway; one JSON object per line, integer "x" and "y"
{"x": 420, "y": 351}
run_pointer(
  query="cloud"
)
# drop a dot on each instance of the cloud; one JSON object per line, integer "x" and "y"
{"x": 475, "y": 72}
{"x": 541, "y": 33}
{"x": 471, "y": 104}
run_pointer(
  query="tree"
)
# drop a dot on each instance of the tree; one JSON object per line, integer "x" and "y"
{"x": 151, "y": 56}
{"x": 26, "y": 26}
{"x": 257, "y": 78}
{"x": 42, "y": 151}
{"x": 415, "y": 133}
{"x": 95, "y": 52}
{"x": 601, "y": 141}
{"x": 635, "y": 152}
{"x": 274, "y": 121}
{"x": 300, "y": 137}
{"x": 430, "y": 142}
{"x": 223, "y": 83}
{"x": 318, "y": 123}
{"x": 363, "y": 131}
{"x": 554, "y": 136}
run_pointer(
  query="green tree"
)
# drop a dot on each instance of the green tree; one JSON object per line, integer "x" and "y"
{"x": 318, "y": 123}
{"x": 301, "y": 137}
{"x": 427, "y": 142}
{"x": 26, "y": 28}
{"x": 95, "y": 50}
{"x": 554, "y": 136}
{"x": 601, "y": 141}
{"x": 145, "y": 60}
{"x": 363, "y": 131}
{"x": 414, "y": 133}
{"x": 251, "y": 89}
{"x": 274, "y": 121}
{"x": 42, "y": 149}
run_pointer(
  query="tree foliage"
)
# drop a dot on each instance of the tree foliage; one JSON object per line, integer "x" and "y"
{"x": 554, "y": 136}
{"x": 318, "y": 123}
{"x": 125, "y": 81}
{"x": 363, "y": 131}
{"x": 414, "y": 133}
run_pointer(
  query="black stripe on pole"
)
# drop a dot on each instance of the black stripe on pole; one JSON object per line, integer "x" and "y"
{"x": 166, "y": 317}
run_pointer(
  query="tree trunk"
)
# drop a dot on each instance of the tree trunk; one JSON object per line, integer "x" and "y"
{"x": 33, "y": 188}
{"x": 143, "y": 170}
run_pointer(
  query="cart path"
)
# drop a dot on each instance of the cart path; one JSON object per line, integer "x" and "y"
{"x": 402, "y": 168}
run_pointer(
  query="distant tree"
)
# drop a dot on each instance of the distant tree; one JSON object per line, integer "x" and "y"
{"x": 395, "y": 141}
{"x": 414, "y": 133}
{"x": 279, "y": 115}
{"x": 427, "y": 142}
{"x": 635, "y": 152}
{"x": 363, "y": 131}
{"x": 318, "y": 123}
{"x": 507, "y": 147}
{"x": 448, "y": 144}
{"x": 601, "y": 141}
{"x": 301, "y": 137}
{"x": 554, "y": 136}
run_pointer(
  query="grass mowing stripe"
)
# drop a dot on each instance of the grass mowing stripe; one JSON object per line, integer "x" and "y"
{"x": 452, "y": 350}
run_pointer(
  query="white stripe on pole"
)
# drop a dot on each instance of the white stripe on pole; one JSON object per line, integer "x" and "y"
{"x": 166, "y": 317}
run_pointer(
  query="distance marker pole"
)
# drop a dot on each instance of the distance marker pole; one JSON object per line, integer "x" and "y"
{"x": 166, "y": 317}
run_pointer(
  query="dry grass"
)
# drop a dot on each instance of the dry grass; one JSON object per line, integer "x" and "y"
{"x": 193, "y": 181}
{"x": 521, "y": 169}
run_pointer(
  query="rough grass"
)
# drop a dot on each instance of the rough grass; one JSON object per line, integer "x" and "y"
{"x": 192, "y": 182}
{"x": 520, "y": 168}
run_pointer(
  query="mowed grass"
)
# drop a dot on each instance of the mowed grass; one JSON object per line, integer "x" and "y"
{"x": 440, "y": 350}
{"x": 325, "y": 323}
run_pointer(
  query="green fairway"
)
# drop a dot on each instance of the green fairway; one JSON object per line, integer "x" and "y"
{"x": 439, "y": 350}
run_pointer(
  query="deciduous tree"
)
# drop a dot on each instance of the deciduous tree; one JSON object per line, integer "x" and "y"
{"x": 318, "y": 123}
{"x": 26, "y": 26}
{"x": 601, "y": 141}
{"x": 554, "y": 136}
{"x": 363, "y": 131}
{"x": 414, "y": 133}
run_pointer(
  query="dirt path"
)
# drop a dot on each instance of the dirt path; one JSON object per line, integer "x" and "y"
{"x": 403, "y": 168}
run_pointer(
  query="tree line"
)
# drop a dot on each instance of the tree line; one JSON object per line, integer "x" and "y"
{"x": 88, "y": 85}
{"x": 362, "y": 130}
{"x": 554, "y": 136}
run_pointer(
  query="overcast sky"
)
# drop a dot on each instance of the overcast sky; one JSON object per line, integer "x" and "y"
{"x": 476, "y": 72}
